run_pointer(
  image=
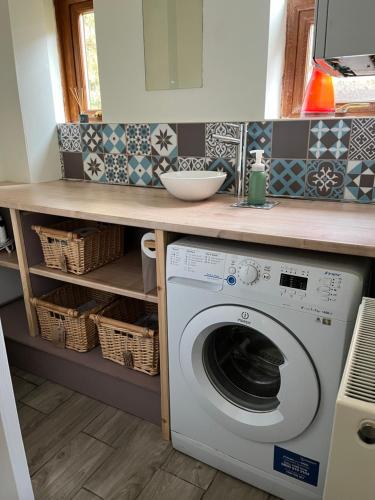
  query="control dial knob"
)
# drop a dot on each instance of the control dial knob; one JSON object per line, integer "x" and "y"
{"x": 248, "y": 272}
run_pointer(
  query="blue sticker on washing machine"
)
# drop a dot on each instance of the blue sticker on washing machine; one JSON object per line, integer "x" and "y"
{"x": 294, "y": 465}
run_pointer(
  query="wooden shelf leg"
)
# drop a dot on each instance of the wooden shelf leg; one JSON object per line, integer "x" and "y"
{"x": 161, "y": 246}
{"x": 24, "y": 271}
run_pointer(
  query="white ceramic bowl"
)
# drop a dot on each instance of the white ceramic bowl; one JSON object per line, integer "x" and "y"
{"x": 193, "y": 185}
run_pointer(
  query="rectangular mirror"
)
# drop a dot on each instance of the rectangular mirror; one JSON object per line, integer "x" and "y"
{"x": 173, "y": 43}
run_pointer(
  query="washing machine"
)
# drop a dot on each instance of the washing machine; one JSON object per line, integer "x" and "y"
{"x": 257, "y": 342}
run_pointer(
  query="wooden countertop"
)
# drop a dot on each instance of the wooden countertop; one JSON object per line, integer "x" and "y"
{"x": 345, "y": 228}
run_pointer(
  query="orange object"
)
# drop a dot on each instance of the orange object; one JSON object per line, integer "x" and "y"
{"x": 319, "y": 94}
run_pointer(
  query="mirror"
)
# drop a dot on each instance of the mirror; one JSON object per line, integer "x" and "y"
{"x": 173, "y": 43}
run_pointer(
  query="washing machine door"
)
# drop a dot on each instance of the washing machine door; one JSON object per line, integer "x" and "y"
{"x": 250, "y": 373}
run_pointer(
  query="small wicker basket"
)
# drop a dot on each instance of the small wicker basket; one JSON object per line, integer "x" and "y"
{"x": 67, "y": 248}
{"x": 125, "y": 342}
{"x": 64, "y": 316}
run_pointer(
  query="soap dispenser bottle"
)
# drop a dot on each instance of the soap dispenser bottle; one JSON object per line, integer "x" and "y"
{"x": 257, "y": 180}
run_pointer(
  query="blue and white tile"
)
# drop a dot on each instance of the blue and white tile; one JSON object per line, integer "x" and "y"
{"x": 69, "y": 137}
{"x": 116, "y": 168}
{"x": 325, "y": 179}
{"x": 329, "y": 139}
{"x": 259, "y": 136}
{"x": 161, "y": 165}
{"x": 362, "y": 139}
{"x": 140, "y": 170}
{"x": 217, "y": 148}
{"x": 91, "y": 137}
{"x": 163, "y": 139}
{"x": 138, "y": 139}
{"x": 114, "y": 138}
{"x": 191, "y": 163}
{"x": 93, "y": 166}
{"x": 287, "y": 177}
{"x": 360, "y": 181}
{"x": 227, "y": 166}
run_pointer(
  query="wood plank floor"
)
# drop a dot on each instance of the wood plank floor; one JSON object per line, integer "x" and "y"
{"x": 80, "y": 449}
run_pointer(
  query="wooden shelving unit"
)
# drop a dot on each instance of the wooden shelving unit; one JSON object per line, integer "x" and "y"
{"x": 122, "y": 277}
{"x": 9, "y": 260}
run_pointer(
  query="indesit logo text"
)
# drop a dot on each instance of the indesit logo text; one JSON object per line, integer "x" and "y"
{"x": 244, "y": 318}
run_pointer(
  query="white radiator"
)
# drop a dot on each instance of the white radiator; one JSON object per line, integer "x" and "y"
{"x": 351, "y": 466}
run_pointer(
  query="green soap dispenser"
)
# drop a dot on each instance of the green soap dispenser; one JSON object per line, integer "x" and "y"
{"x": 257, "y": 180}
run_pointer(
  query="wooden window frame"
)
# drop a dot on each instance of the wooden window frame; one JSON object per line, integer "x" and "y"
{"x": 71, "y": 53}
{"x": 300, "y": 17}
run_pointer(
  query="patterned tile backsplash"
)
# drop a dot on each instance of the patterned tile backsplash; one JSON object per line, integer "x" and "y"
{"x": 321, "y": 159}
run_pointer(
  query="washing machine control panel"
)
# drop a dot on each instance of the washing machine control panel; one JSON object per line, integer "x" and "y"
{"x": 299, "y": 282}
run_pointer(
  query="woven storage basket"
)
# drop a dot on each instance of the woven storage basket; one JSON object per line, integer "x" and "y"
{"x": 59, "y": 311}
{"x": 72, "y": 252}
{"x": 124, "y": 342}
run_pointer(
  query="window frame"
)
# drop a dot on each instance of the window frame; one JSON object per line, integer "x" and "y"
{"x": 71, "y": 53}
{"x": 300, "y": 16}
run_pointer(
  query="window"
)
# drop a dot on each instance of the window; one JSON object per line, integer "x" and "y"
{"x": 79, "y": 63}
{"x": 354, "y": 95}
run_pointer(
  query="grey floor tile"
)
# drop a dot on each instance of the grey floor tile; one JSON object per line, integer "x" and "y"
{"x": 47, "y": 397}
{"x": 29, "y": 419}
{"x": 130, "y": 467}
{"x": 189, "y": 469}
{"x": 30, "y": 377}
{"x": 113, "y": 427}
{"x": 85, "y": 495}
{"x": 59, "y": 428}
{"x": 226, "y": 487}
{"x": 21, "y": 387}
{"x": 63, "y": 476}
{"x": 165, "y": 486}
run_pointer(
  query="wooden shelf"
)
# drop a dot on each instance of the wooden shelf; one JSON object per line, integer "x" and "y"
{"x": 9, "y": 260}
{"x": 89, "y": 373}
{"x": 122, "y": 277}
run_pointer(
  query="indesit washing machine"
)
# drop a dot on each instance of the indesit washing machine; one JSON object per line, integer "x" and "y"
{"x": 257, "y": 342}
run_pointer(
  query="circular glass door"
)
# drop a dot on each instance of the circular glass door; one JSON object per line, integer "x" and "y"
{"x": 250, "y": 373}
{"x": 244, "y": 367}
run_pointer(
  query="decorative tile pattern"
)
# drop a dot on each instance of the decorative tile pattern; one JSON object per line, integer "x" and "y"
{"x": 217, "y": 148}
{"x": 93, "y": 166}
{"x": 224, "y": 165}
{"x": 73, "y": 166}
{"x": 259, "y": 136}
{"x": 140, "y": 170}
{"x": 267, "y": 164}
{"x": 362, "y": 140}
{"x": 287, "y": 177}
{"x": 69, "y": 137}
{"x": 114, "y": 138}
{"x": 163, "y": 139}
{"x": 160, "y": 165}
{"x": 191, "y": 139}
{"x": 329, "y": 139}
{"x": 191, "y": 163}
{"x": 325, "y": 179}
{"x": 116, "y": 168}
{"x": 360, "y": 181}
{"x": 138, "y": 139}
{"x": 92, "y": 138}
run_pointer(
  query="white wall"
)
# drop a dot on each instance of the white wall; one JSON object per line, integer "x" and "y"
{"x": 235, "y": 54}
{"x": 30, "y": 43}
{"x": 13, "y": 156}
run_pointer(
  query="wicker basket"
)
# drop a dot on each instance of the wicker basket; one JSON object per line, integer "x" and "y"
{"x": 124, "y": 342}
{"x": 66, "y": 249}
{"x": 64, "y": 321}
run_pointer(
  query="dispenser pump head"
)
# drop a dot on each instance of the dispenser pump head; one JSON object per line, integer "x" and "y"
{"x": 258, "y": 165}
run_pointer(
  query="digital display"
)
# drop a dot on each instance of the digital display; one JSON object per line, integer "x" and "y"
{"x": 292, "y": 281}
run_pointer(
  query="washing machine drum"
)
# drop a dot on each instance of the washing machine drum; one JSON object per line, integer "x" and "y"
{"x": 250, "y": 373}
